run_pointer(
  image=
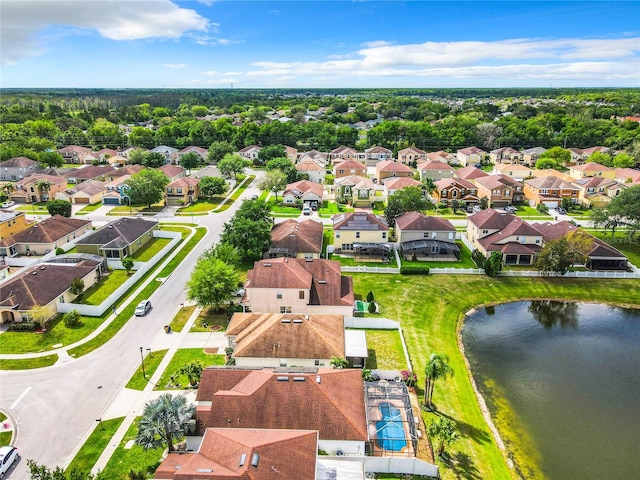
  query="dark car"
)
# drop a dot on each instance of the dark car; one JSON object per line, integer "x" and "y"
{"x": 561, "y": 210}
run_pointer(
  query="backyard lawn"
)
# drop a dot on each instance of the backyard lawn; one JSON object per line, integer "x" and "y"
{"x": 385, "y": 350}
{"x": 126, "y": 210}
{"x": 108, "y": 284}
{"x": 465, "y": 260}
{"x": 622, "y": 243}
{"x": 182, "y": 357}
{"x": 430, "y": 325}
{"x": 150, "y": 249}
{"x": 530, "y": 212}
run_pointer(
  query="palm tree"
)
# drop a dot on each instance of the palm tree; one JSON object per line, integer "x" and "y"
{"x": 8, "y": 187}
{"x": 443, "y": 433}
{"x": 436, "y": 369}
{"x": 429, "y": 185}
{"x": 165, "y": 419}
{"x": 338, "y": 363}
{"x": 193, "y": 371}
{"x": 43, "y": 186}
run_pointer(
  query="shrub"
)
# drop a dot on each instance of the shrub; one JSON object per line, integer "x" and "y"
{"x": 478, "y": 258}
{"x": 409, "y": 378}
{"x": 370, "y": 297}
{"x": 358, "y": 314}
{"x": 414, "y": 270}
{"x": 372, "y": 307}
{"x": 22, "y": 327}
{"x": 71, "y": 319}
{"x": 367, "y": 376}
{"x": 59, "y": 251}
{"x": 542, "y": 208}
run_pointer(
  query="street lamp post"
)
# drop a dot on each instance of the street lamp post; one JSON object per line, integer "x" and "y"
{"x": 144, "y": 373}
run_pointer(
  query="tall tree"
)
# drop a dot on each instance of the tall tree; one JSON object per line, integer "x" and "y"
{"x": 212, "y": 186}
{"x": 443, "y": 434}
{"x": 232, "y": 164}
{"x": 153, "y": 159}
{"x": 212, "y": 282}
{"x": 560, "y": 254}
{"x": 166, "y": 419}
{"x": 405, "y": 200}
{"x": 437, "y": 369}
{"x": 147, "y": 187}
{"x": 218, "y": 150}
{"x": 249, "y": 231}
{"x": 286, "y": 166}
{"x": 225, "y": 252}
{"x": 273, "y": 181}
{"x": 429, "y": 185}
{"x": 561, "y": 156}
{"x": 59, "y": 207}
{"x": 493, "y": 264}
{"x": 270, "y": 152}
{"x": 623, "y": 211}
{"x": 50, "y": 159}
{"x": 190, "y": 161}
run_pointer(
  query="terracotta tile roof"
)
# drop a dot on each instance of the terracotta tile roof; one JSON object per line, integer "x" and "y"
{"x": 591, "y": 166}
{"x": 322, "y": 277}
{"x": 440, "y": 156}
{"x": 552, "y": 231}
{"x": 628, "y": 173}
{"x": 184, "y": 182}
{"x": 39, "y": 176}
{"x": 550, "y": 182}
{"x": 471, "y": 151}
{"x": 434, "y": 165}
{"x": 300, "y": 237}
{"x": 329, "y": 401}
{"x": 392, "y": 166}
{"x": 228, "y": 453}
{"x": 304, "y": 186}
{"x": 42, "y": 284}
{"x": 276, "y": 335}
{"x": 397, "y": 183}
{"x": 47, "y": 231}
{"x": 90, "y": 187}
{"x": 511, "y": 166}
{"x": 171, "y": 170}
{"x": 548, "y": 172}
{"x": 469, "y": 173}
{"x": 19, "y": 162}
{"x": 422, "y": 222}
{"x": 359, "y": 221}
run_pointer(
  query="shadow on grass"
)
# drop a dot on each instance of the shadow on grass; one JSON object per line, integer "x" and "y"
{"x": 462, "y": 466}
{"x": 468, "y": 431}
{"x": 372, "y": 360}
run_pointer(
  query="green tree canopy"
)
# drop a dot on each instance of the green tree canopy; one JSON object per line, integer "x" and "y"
{"x": 225, "y": 252}
{"x": 545, "y": 163}
{"x": 286, "y": 166}
{"x": 561, "y": 156}
{"x": 218, "y": 150}
{"x": 601, "y": 158}
{"x": 127, "y": 263}
{"x": 190, "y": 161}
{"x": 405, "y": 200}
{"x": 270, "y": 152}
{"x": 623, "y": 211}
{"x": 153, "y": 159}
{"x": 443, "y": 434}
{"x": 493, "y": 264}
{"x": 249, "y": 231}
{"x": 147, "y": 187}
{"x": 232, "y": 164}
{"x": 560, "y": 254}
{"x": 273, "y": 181}
{"x": 59, "y": 207}
{"x": 165, "y": 420}
{"x": 212, "y": 186}
{"x": 624, "y": 160}
{"x": 212, "y": 282}
{"x": 51, "y": 159}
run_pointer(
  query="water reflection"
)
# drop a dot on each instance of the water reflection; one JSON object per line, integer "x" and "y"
{"x": 550, "y": 313}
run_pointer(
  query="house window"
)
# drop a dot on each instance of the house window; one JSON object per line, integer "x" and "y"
{"x": 384, "y": 235}
{"x": 285, "y": 309}
{"x": 179, "y": 191}
{"x": 485, "y": 231}
{"x": 301, "y": 295}
{"x": 283, "y": 362}
{"x": 450, "y": 235}
{"x": 444, "y": 192}
{"x": 523, "y": 239}
{"x": 169, "y": 190}
{"x": 279, "y": 295}
{"x": 337, "y": 234}
{"x": 426, "y": 234}
{"x": 319, "y": 363}
{"x": 357, "y": 234}
{"x": 537, "y": 239}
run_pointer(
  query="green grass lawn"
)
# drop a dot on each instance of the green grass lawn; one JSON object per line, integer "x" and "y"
{"x": 448, "y": 213}
{"x": 5, "y": 438}
{"x": 28, "y": 363}
{"x": 202, "y": 205}
{"x": 90, "y": 452}
{"x": 125, "y": 210}
{"x": 150, "y": 249}
{"x": 236, "y": 194}
{"x": 108, "y": 284}
{"x": 331, "y": 208}
{"x": 215, "y": 321}
{"x": 40, "y": 207}
{"x": 525, "y": 211}
{"x": 621, "y": 242}
{"x": 385, "y": 350}
{"x": 182, "y": 357}
{"x": 279, "y": 209}
{"x": 180, "y": 319}
{"x": 89, "y": 208}
{"x": 151, "y": 362}
{"x": 465, "y": 260}
{"x": 351, "y": 262}
{"x": 430, "y": 325}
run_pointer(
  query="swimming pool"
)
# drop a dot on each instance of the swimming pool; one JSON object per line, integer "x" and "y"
{"x": 391, "y": 434}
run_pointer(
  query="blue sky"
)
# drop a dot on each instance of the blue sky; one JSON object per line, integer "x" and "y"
{"x": 268, "y": 44}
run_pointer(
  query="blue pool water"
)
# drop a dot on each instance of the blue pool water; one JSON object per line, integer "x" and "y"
{"x": 390, "y": 431}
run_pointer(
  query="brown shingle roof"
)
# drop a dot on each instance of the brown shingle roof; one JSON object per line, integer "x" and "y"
{"x": 397, "y": 183}
{"x": 330, "y": 401}
{"x": 275, "y": 335}
{"x": 350, "y": 165}
{"x": 184, "y": 182}
{"x": 420, "y": 221}
{"x": 19, "y": 162}
{"x": 550, "y": 182}
{"x": 47, "y": 231}
{"x": 600, "y": 248}
{"x": 88, "y": 172}
{"x": 304, "y": 186}
{"x": 39, "y": 176}
{"x": 300, "y": 237}
{"x": 171, "y": 170}
{"x": 90, "y": 187}
{"x": 281, "y": 454}
{"x": 497, "y": 181}
{"x": 359, "y": 221}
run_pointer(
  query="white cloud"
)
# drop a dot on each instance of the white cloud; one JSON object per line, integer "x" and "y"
{"x": 209, "y": 40}
{"x": 220, "y": 81}
{"x": 117, "y": 20}
{"x": 376, "y": 44}
{"x": 174, "y": 65}
{"x": 232, "y": 74}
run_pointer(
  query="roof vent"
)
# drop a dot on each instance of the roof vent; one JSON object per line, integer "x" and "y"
{"x": 318, "y": 379}
{"x": 285, "y": 320}
{"x": 298, "y": 379}
{"x": 282, "y": 378}
{"x": 266, "y": 264}
{"x": 243, "y": 458}
{"x": 297, "y": 320}
{"x": 255, "y": 458}
{"x": 34, "y": 273}
{"x": 322, "y": 282}
{"x": 42, "y": 267}
{"x": 204, "y": 470}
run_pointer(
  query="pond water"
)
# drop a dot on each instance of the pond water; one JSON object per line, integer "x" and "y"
{"x": 562, "y": 382}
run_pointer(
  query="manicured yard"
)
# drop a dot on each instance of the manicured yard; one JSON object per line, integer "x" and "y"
{"x": 214, "y": 321}
{"x": 28, "y": 363}
{"x": 151, "y": 362}
{"x": 40, "y": 207}
{"x": 350, "y": 261}
{"x": 465, "y": 260}
{"x": 126, "y": 210}
{"x": 182, "y": 357}
{"x": 331, "y": 208}
{"x": 621, "y": 242}
{"x": 150, "y": 249}
{"x": 530, "y": 212}
{"x": 279, "y": 210}
{"x": 89, "y": 208}
{"x": 88, "y": 455}
{"x": 385, "y": 350}
{"x": 430, "y": 325}
{"x": 180, "y": 319}
{"x": 108, "y": 284}
{"x": 5, "y": 438}
{"x": 202, "y": 205}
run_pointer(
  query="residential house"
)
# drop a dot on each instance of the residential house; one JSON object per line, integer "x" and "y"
{"x": 90, "y": 172}
{"x": 46, "y": 285}
{"x": 296, "y": 239}
{"x": 320, "y": 157}
{"x": 449, "y": 189}
{"x": 377, "y": 154}
{"x": 435, "y": 170}
{"x": 295, "y": 285}
{"x": 127, "y": 171}
{"x": 291, "y": 153}
{"x": 393, "y": 184}
{"x": 170, "y": 154}
{"x": 409, "y": 155}
{"x": 127, "y": 151}
{"x": 500, "y": 190}
{"x": 424, "y": 237}
{"x": 88, "y": 192}
{"x": 119, "y": 238}
{"x": 442, "y": 157}
{"x": 44, "y": 237}
{"x": 75, "y": 154}
{"x": 358, "y": 191}
{"x": 250, "y": 153}
{"x": 469, "y": 173}
{"x": 591, "y": 150}
{"x": 601, "y": 256}
{"x": 105, "y": 154}
{"x": 390, "y": 168}
{"x": 201, "y": 152}
{"x": 357, "y": 233}
{"x": 173, "y": 172}
{"x": 38, "y": 187}
{"x": 549, "y": 191}
{"x": 116, "y": 191}
{"x": 491, "y": 231}
{"x": 182, "y": 191}
{"x": 505, "y": 155}
{"x": 531, "y": 155}
{"x": 312, "y": 168}
{"x": 470, "y": 156}
{"x": 514, "y": 170}
{"x": 592, "y": 169}
{"x": 578, "y": 157}
{"x": 329, "y": 401}
{"x": 285, "y": 339}
{"x": 349, "y": 167}
{"x": 597, "y": 192}
{"x": 243, "y": 454}
{"x": 341, "y": 154}
{"x": 627, "y": 175}
{"x": 305, "y": 191}
{"x": 17, "y": 168}
{"x": 12, "y": 222}
{"x": 549, "y": 172}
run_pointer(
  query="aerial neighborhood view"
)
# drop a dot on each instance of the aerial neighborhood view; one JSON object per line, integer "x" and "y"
{"x": 237, "y": 242}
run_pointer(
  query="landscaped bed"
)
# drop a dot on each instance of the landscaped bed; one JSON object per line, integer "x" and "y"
{"x": 210, "y": 320}
{"x": 183, "y": 357}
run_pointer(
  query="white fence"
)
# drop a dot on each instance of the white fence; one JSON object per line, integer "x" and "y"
{"x": 364, "y": 269}
{"x": 98, "y": 310}
{"x": 371, "y": 323}
{"x": 580, "y": 274}
{"x": 117, "y": 264}
{"x": 459, "y": 271}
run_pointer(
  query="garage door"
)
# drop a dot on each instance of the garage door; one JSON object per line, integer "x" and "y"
{"x": 551, "y": 204}
{"x": 110, "y": 201}
{"x": 82, "y": 200}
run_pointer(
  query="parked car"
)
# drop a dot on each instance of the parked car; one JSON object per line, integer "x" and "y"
{"x": 8, "y": 455}
{"x": 8, "y": 204}
{"x": 143, "y": 308}
{"x": 254, "y": 197}
{"x": 306, "y": 210}
{"x": 561, "y": 211}
{"x": 510, "y": 209}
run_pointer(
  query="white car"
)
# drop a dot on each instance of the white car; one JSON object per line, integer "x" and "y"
{"x": 143, "y": 308}
{"x": 8, "y": 455}
{"x": 8, "y": 204}
{"x": 306, "y": 210}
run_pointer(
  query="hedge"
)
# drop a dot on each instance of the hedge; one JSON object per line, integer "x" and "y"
{"x": 414, "y": 270}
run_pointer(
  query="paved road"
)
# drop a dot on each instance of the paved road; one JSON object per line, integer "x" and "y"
{"x": 56, "y": 407}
